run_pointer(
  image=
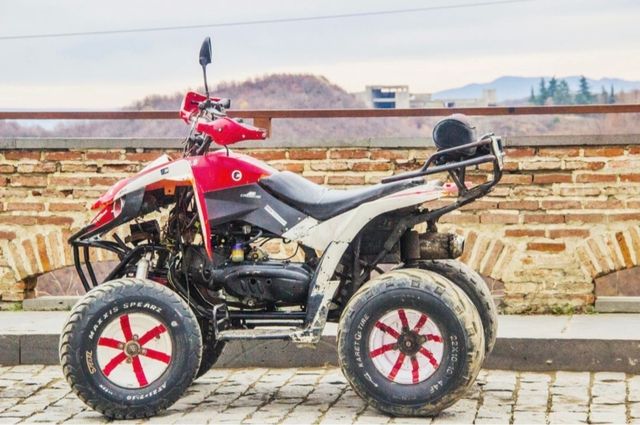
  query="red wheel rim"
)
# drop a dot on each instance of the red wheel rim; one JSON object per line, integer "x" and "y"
{"x": 134, "y": 350}
{"x": 405, "y": 346}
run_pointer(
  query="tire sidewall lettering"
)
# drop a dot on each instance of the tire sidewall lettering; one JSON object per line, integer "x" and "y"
{"x": 357, "y": 337}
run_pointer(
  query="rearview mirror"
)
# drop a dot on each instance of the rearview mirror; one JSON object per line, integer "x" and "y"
{"x": 205, "y": 52}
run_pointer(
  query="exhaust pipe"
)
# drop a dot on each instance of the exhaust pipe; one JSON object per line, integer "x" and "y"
{"x": 431, "y": 246}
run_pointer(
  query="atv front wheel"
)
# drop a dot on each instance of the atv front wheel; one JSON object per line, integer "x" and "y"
{"x": 410, "y": 342}
{"x": 130, "y": 348}
{"x": 211, "y": 348}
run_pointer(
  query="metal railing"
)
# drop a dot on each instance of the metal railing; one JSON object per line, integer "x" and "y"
{"x": 262, "y": 118}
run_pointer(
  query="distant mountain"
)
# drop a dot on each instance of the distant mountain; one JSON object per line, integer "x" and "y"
{"x": 509, "y": 87}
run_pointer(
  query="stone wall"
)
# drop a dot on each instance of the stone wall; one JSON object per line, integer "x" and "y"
{"x": 561, "y": 216}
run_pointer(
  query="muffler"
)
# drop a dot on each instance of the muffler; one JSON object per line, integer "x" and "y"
{"x": 430, "y": 246}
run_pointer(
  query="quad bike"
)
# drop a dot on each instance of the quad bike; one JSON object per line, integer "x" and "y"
{"x": 411, "y": 339}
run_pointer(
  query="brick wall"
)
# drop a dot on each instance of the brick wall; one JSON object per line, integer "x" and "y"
{"x": 561, "y": 216}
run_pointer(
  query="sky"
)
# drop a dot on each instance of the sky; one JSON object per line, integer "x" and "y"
{"x": 429, "y": 50}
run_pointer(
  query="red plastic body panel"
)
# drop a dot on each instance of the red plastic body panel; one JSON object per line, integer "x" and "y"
{"x": 217, "y": 170}
{"x": 190, "y": 104}
{"x": 214, "y": 171}
{"x": 226, "y": 131}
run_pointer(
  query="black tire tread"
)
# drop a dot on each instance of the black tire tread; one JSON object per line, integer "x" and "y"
{"x": 72, "y": 374}
{"x": 450, "y": 294}
{"x": 476, "y": 289}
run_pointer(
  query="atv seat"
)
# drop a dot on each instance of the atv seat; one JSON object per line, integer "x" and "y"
{"x": 322, "y": 203}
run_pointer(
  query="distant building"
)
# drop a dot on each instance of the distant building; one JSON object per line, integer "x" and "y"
{"x": 394, "y": 97}
{"x": 386, "y": 97}
{"x": 488, "y": 98}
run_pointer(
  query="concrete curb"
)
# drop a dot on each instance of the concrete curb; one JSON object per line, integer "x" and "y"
{"x": 607, "y": 342}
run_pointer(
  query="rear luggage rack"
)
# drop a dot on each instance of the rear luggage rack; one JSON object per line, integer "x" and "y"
{"x": 489, "y": 149}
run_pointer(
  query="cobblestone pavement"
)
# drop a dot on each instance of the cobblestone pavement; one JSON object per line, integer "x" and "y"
{"x": 31, "y": 394}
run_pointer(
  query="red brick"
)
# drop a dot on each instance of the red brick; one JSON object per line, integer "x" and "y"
{"x": 544, "y": 218}
{"x": 518, "y": 205}
{"x": 524, "y": 233}
{"x": 546, "y": 246}
{"x": 476, "y": 205}
{"x": 596, "y": 178}
{"x": 345, "y": 180}
{"x": 142, "y": 156}
{"x": 520, "y": 152}
{"x": 315, "y": 179}
{"x": 39, "y": 167}
{"x": 632, "y": 177}
{"x": 104, "y": 155}
{"x": 348, "y": 153}
{"x": 24, "y": 220}
{"x": 269, "y": 155}
{"x": 307, "y": 154}
{"x": 389, "y": 154}
{"x": 586, "y": 218}
{"x": 63, "y": 156}
{"x": 21, "y": 155}
{"x": 371, "y": 166}
{"x": 29, "y": 181}
{"x": 7, "y": 168}
{"x": 634, "y": 150}
{"x": 624, "y": 217}
{"x": 569, "y": 233}
{"x": 7, "y": 236}
{"x": 42, "y": 253}
{"x": 460, "y": 219}
{"x": 79, "y": 167}
{"x": 560, "y": 205}
{"x": 625, "y": 163}
{"x": 499, "y": 218}
{"x": 56, "y": 220}
{"x": 601, "y": 205}
{"x": 606, "y": 151}
{"x": 114, "y": 168}
{"x": 516, "y": 179}
{"x": 66, "y": 206}
{"x": 540, "y": 165}
{"x": 551, "y": 178}
{"x": 68, "y": 181}
{"x": 25, "y": 206}
{"x": 559, "y": 152}
{"x": 103, "y": 181}
{"x": 584, "y": 165}
{"x": 295, "y": 167}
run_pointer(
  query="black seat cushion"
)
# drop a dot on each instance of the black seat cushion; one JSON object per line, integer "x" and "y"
{"x": 320, "y": 202}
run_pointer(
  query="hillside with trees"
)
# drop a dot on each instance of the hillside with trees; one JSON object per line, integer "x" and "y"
{"x": 303, "y": 91}
{"x": 557, "y": 92}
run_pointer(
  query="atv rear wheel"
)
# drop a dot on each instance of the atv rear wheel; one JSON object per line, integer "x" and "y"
{"x": 130, "y": 348}
{"x": 410, "y": 342}
{"x": 476, "y": 289}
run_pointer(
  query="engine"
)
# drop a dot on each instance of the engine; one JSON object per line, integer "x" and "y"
{"x": 256, "y": 282}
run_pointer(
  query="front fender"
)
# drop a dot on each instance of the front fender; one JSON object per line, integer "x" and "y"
{"x": 124, "y": 200}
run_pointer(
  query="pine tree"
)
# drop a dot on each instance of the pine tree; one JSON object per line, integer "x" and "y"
{"x": 612, "y": 96}
{"x": 552, "y": 87}
{"x": 604, "y": 96}
{"x": 532, "y": 98}
{"x": 562, "y": 94}
{"x": 584, "y": 95}
{"x": 543, "y": 94}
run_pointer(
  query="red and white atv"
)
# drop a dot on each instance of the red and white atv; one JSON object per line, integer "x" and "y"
{"x": 411, "y": 339}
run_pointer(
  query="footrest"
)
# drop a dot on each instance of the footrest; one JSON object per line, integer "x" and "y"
{"x": 260, "y": 333}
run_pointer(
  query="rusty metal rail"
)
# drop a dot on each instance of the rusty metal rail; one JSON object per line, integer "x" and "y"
{"x": 262, "y": 118}
{"x": 329, "y": 113}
